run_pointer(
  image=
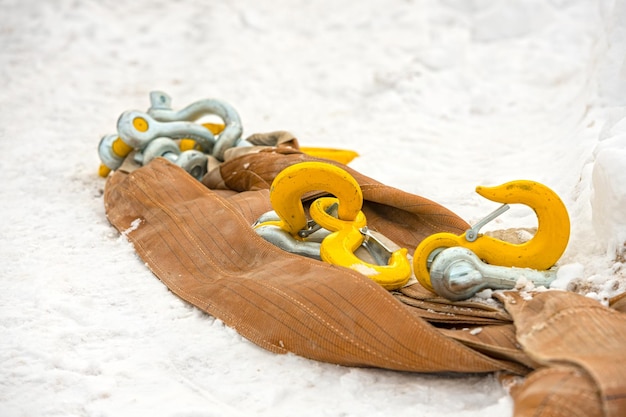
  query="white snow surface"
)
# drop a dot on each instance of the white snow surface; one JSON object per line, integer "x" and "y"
{"x": 436, "y": 96}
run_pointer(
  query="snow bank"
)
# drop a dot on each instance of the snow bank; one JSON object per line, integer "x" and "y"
{"x": 609, "y": 190}
{"x": 609, "y": 170}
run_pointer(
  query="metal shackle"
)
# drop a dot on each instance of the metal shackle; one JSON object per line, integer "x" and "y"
{"x": 192, "y": 161}
{"x": 161, "y": 110}
{"x": 285, "y": 241}
{"x": 137, "y": 129}
{"x": 112, "y": 152}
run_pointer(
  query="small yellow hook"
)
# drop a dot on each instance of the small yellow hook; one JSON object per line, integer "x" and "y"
{"x": 541, "y": 252}
{"x": 337, "y": 248}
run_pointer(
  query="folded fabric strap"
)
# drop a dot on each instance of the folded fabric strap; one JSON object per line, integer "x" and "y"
{"x": 583, "y": 347}
{"x": 199, "y": 242}
{"x": 204, "y": 250}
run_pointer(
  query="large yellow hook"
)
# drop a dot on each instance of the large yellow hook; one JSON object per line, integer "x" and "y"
{"x": 337, "y": 248}
{"x": 294, "y": 181}
{"x": 541, "y": 252}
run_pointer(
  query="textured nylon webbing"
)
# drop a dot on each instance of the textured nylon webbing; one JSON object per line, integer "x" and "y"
{"x": 200, "y": 244}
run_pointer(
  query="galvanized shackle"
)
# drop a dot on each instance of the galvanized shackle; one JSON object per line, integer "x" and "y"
{"x": 310, "y": 238}
{"x": 192, "y": 161}
{"x": 229, "y": 137}
{"x": 308, "y": 241}
{"x": 137, "y": 129}
{"x": 284, "y": 240}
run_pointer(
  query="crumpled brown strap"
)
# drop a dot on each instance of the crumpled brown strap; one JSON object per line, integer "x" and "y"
{"x": 557, "y": 391}
{"x": 200, "y": 244}
{"x": 582, "y": 348}
{"x": 197, "y": 242}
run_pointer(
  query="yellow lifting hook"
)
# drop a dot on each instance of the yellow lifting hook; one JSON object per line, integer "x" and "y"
{"x": 541, "y": 252}
{"x": 337, "y": 248}
{"x": 296, "y": 180}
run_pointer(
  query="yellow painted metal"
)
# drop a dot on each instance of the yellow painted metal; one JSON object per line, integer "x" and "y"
{"x": 541, "y": 252}
{"x": 296, "y": 180}
{"x": 338, "y": 247}
{"x": 215, "y": 128}
{"x": 104, "y": 171}
{"x": 120, "y": 148}
{"x": 140, "y": 124}
{"x": 187, "y": 144}
{"x": 343, "y": 156}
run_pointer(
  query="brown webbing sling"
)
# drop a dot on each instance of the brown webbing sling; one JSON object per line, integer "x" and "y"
{"x": 197, "y": 239}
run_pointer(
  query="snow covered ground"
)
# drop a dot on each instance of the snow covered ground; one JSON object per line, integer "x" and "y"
{"x": 436, "y": 96}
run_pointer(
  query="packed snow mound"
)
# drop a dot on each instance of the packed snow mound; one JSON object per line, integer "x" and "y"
{"x": 609, "y": 170}
{"x": 609, "y": 189}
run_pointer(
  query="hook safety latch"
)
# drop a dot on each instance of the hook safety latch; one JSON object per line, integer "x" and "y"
{"x": 472, "y": 233}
